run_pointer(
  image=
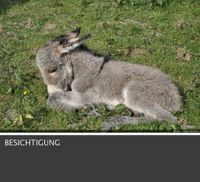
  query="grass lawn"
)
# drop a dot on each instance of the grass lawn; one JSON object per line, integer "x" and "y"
{"x": 164, "y": 37}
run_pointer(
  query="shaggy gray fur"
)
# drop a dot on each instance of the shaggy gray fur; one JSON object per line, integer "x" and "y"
{"x": 75, "y": 77}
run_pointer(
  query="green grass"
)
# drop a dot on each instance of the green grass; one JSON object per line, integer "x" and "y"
{"x": 117, "y": 30}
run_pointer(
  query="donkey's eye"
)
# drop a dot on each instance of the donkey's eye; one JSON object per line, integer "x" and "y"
{"x": 52, "y": 70}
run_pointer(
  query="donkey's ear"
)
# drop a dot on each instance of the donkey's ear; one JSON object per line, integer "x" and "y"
{"x": 69, "y": 37}
{"x": 74, "y": 33}
{"x": 69, "y": 47}
{"x": 73, "y": 43}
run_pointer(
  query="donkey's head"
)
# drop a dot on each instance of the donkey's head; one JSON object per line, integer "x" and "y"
{"x": 49, "y": 60}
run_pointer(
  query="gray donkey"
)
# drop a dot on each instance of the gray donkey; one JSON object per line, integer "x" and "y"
{"x": 75, "y": 77}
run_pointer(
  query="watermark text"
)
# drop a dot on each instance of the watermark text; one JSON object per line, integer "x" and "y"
{"x": 32, "y": 142}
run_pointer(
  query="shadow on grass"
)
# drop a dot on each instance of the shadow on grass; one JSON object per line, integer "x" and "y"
{"x": 6, "y": 4}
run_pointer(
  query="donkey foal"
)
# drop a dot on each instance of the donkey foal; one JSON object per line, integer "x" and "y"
{"x": 75, "y": 77}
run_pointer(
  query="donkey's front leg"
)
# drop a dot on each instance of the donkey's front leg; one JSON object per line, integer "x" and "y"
{"x": 65, "y": 101}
